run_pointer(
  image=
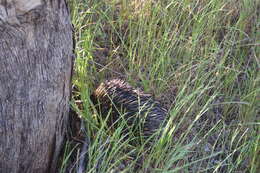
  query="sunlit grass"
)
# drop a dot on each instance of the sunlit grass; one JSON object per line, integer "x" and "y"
{"x": 199, "y": 58}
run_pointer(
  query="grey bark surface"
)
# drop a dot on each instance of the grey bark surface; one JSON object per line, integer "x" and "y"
{"x": 35, "y": 75}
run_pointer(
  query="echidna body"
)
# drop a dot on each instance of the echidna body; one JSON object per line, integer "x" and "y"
{"x": 139, "y": 108}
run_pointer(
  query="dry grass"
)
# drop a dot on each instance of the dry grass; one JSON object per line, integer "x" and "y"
{"x": 199, "y": 58}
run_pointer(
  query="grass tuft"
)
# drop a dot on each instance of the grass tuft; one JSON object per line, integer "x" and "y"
{"x": 200, "y": 59}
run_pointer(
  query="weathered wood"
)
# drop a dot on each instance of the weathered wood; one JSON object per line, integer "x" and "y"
{"x": 35, "y": 73}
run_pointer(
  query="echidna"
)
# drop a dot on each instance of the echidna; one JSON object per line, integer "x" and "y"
{"x": 131, "y": 104}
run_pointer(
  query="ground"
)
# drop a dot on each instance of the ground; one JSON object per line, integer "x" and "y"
{"x": 200, "y": 59}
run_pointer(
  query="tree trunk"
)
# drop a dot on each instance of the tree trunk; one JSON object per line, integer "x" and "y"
{"x": 35, "y": 72}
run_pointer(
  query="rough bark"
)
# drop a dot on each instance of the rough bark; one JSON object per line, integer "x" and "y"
{"x": 35, "y": 72}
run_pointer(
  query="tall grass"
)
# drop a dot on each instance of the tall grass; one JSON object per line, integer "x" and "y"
{"x": 199, "y": 58}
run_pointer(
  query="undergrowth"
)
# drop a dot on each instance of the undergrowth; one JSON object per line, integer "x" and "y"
{"x": 200, "y": 59}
